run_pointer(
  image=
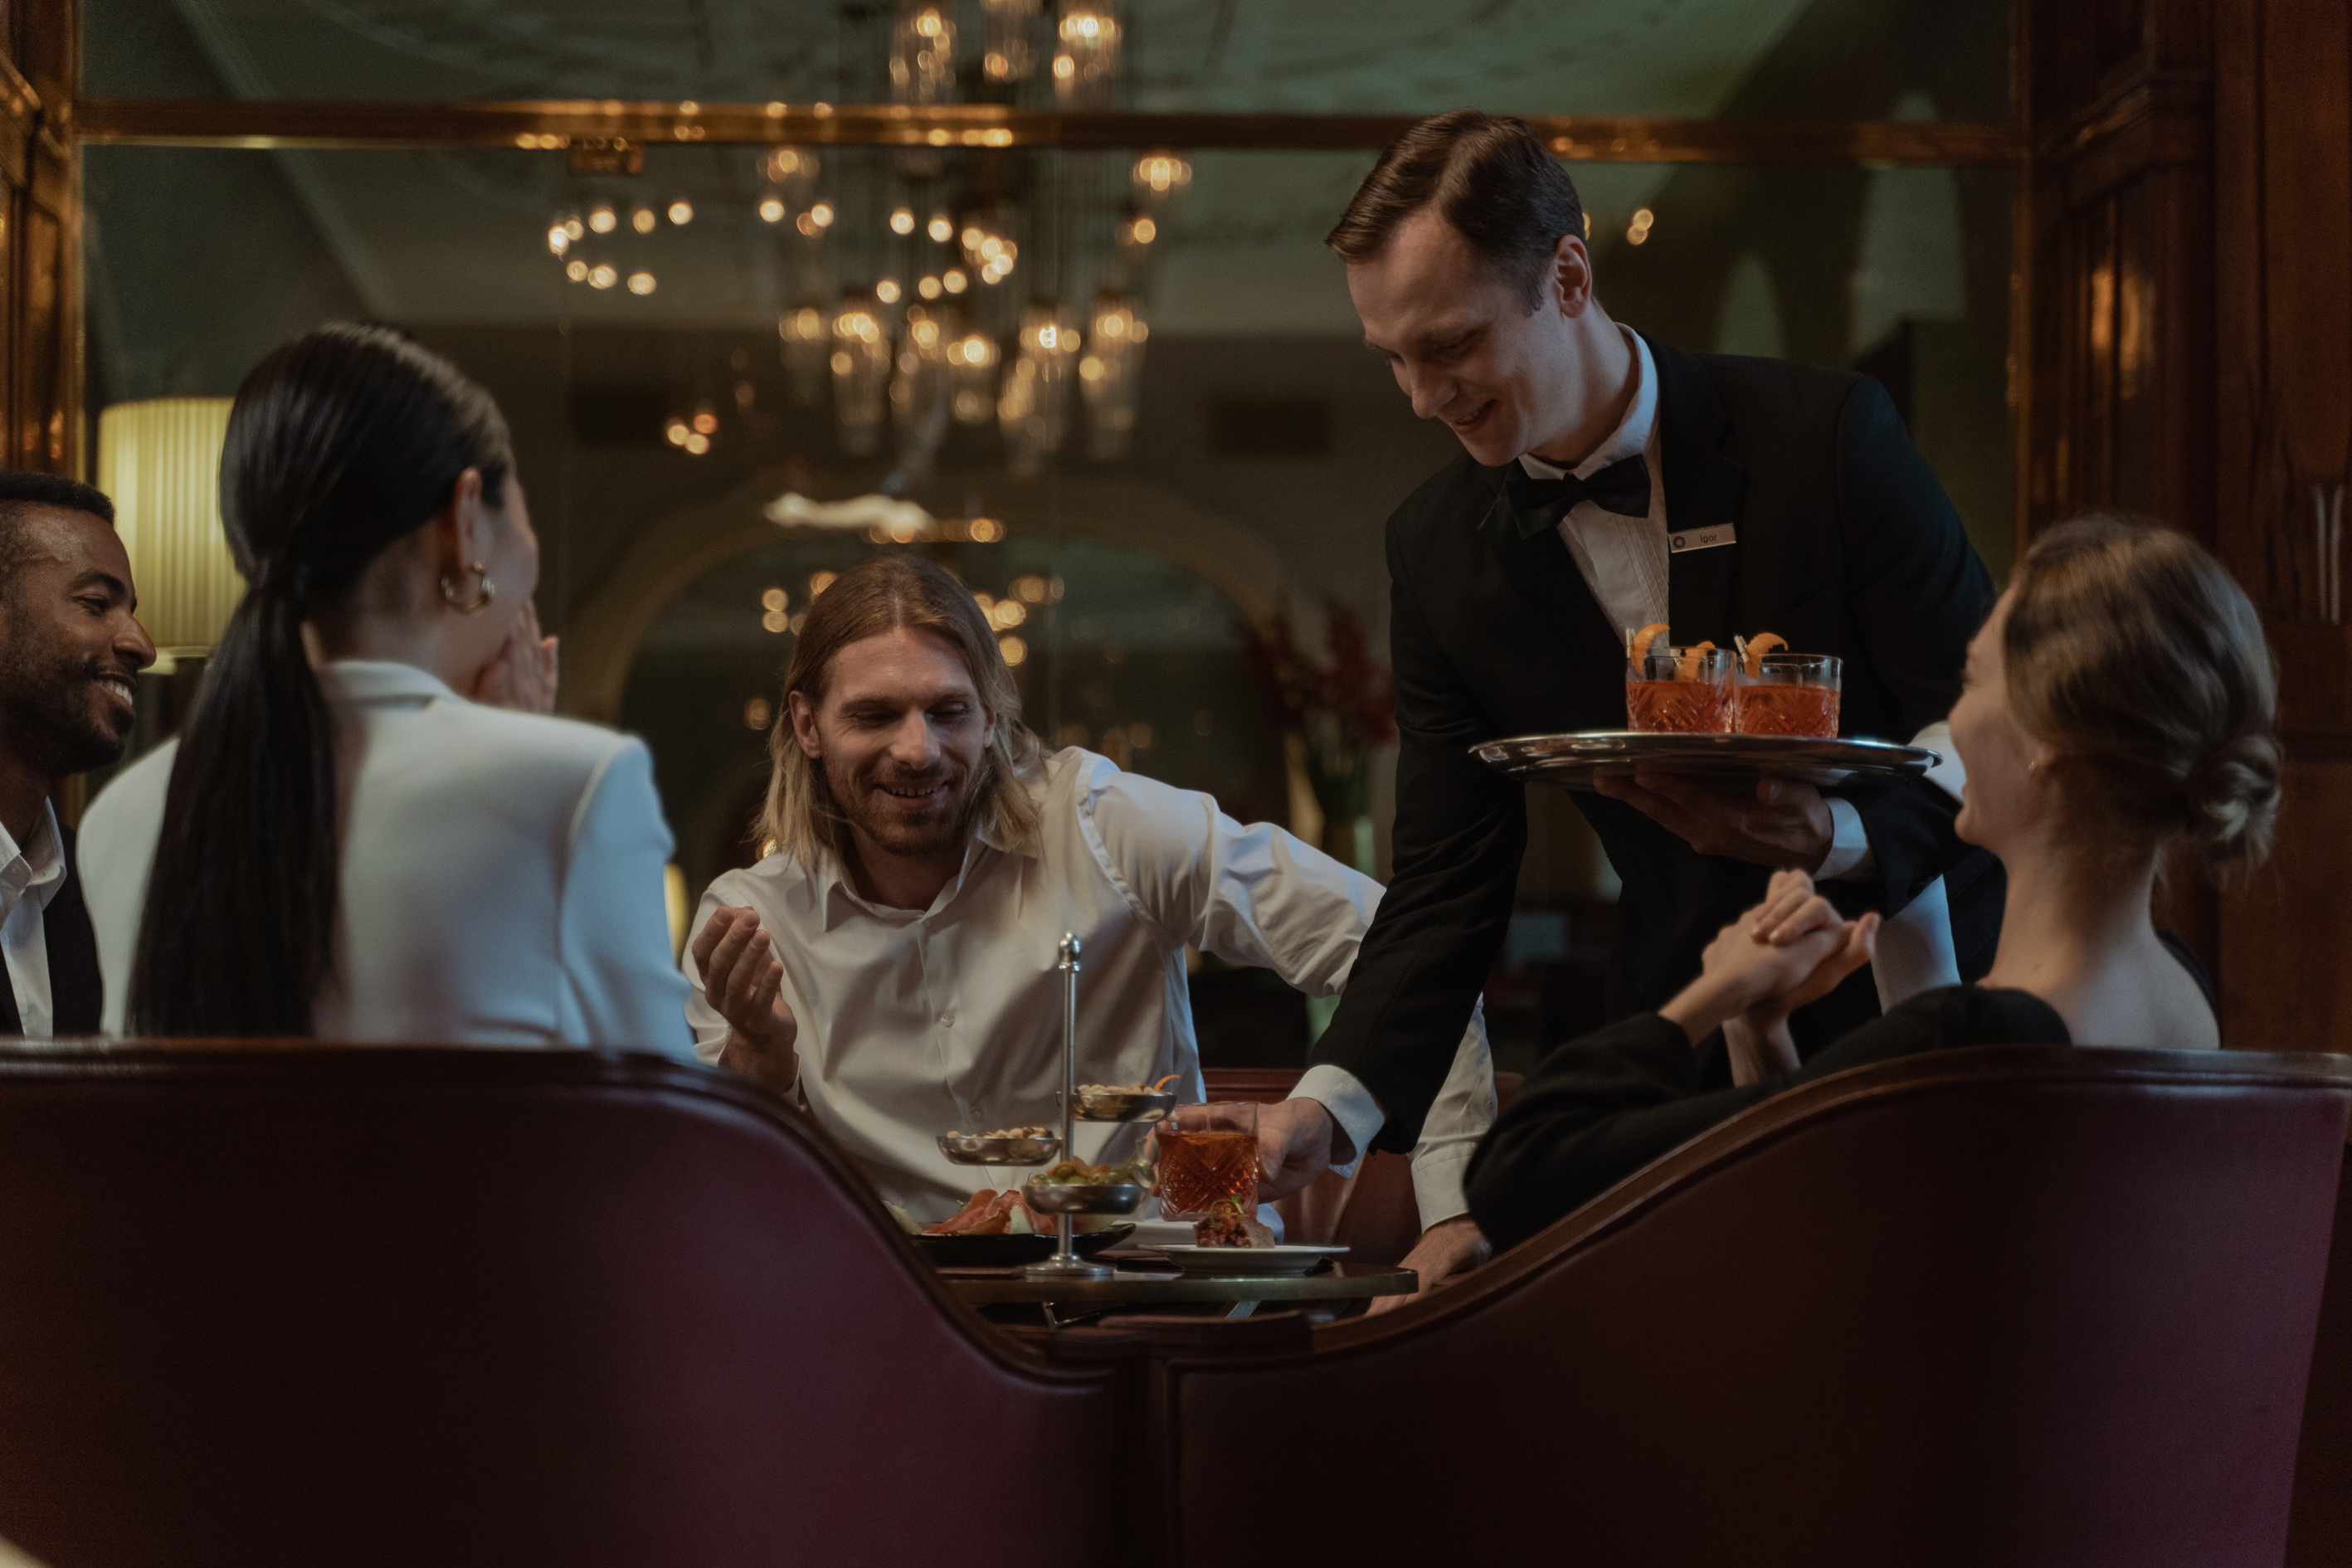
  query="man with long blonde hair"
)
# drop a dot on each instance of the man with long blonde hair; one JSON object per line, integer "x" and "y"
{"x": 890, "y": 966}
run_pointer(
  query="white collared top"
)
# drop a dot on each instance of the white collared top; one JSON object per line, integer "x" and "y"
{"x": 501, "y": 874}
{"x": 30, "y": 876}
{"x": 918, "y": 1022}
{"x": 1623, "y": 559}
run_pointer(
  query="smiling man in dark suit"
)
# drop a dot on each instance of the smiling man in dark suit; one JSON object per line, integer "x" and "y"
{"x": 1607, "y": 481}
{"x": 70, "y": 654}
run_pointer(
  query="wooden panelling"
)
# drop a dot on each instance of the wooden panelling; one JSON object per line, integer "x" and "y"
{"x": 2284, "y": 986}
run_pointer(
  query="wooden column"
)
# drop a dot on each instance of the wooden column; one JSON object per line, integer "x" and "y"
{"x": 2190, "y": 357}
{"x": 2282, "y": 319}
{"x": 40, "y": 208}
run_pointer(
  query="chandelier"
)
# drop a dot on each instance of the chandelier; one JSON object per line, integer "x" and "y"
{"x": 934, "y": 289}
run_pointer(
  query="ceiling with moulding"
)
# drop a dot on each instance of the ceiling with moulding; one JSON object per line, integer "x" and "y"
{"x": 455, "y": 237}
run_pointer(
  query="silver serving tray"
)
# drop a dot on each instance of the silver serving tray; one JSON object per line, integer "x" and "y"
{"x": 1124, "y": 1105}
{"x": 968, "y": 1149}
{"x": 1072, "y": 1197}
{"x": 1576, "y": 759}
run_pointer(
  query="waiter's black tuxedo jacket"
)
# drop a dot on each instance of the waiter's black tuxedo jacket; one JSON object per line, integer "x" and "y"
{"x": 75, "y": 991}
{"x": 1845, "y": 545}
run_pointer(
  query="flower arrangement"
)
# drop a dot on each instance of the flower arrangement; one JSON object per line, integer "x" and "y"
{"x": 1341, "y": 710}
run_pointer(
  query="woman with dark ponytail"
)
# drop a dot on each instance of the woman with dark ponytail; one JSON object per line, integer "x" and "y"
{"x": 359, "y": 835}
{"x": 2119, "y": 707}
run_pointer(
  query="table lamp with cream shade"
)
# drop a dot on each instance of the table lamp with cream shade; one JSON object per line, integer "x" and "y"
{"x": 159, "y": 460}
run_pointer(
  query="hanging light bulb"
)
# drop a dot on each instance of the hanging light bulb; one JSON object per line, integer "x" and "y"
{"x": 922, "y": 54}
{"x": 641, "y": 283}
{"x": 902, "y": 220}
{"x": 1032, "y": 404}
{"x": 681, "y": 212}
{"x": 771, "y": 210}
{"x": 941, "y": 228}
{"x": 576, "y": 269}
{"x": 1009, "y": 51}
{"x": 604, "y": 275}
{"x": 643, "y": 219}
{"x": 1110, "y": 373}
{"x": 558, "y": 240}
{"x": 1086, "y": 65}
{"x": 792, "y": 172}
{"x": 602, "y": 219}
{"x": 1161, "y": 176}
{"x": 972, "y": 361}
{"x": 574, "y": 229}
{"x": 861, "y": 373}
{"x": 921, "y": 395}
{"x": 802, "y": 334}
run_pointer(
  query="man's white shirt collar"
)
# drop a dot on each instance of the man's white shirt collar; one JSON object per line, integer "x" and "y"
{"x": 1631, "y": 437}
{"x": 38, "y": 867}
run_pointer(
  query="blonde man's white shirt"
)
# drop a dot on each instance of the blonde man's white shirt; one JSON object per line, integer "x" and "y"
{"x": 918, "y": 1022}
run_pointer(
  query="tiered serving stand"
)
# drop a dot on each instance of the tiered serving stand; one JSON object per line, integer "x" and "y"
{"x": 1063, "y": 1200}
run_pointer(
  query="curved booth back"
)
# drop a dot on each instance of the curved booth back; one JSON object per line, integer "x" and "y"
{"x": 2025, "y": 1306}
{"x": 355, "y": 1305}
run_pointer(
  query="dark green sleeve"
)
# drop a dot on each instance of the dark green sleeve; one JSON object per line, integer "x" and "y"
{"x": 1603, "y": 1107}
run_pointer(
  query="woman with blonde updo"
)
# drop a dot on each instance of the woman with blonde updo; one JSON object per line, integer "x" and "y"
{"x": 2118, "y": 706}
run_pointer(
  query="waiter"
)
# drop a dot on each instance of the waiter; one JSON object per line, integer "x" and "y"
{"x": 1607, "y": 481}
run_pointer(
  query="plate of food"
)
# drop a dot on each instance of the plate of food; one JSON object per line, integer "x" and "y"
{"x": 1005, "y": 1146}
{"x": 1229, "y": 1239}
{"x": 1127, "y": 1101}
{"x": 1579, "y": 758}
{"x": 1000, "y": 1230}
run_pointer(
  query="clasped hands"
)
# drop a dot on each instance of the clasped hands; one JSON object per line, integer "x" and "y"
{"x": 1792, "y": 948}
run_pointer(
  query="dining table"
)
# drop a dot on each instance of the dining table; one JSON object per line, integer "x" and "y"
{"x": 1146, "y": 1279}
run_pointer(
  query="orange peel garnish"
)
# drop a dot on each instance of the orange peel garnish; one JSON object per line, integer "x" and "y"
{"x": 1686, "y": 667}
{"x": 1758, "y": 645}
{"x": 1639, "y": 643}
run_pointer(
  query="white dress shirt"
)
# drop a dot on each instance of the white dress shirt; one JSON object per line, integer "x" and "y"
{"x": 918, "y": 1022}
{"x": 501, "y": 874}
{"x": 30, "y": 876}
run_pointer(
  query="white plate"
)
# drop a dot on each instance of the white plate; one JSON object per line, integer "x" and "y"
{"x": 1249, "y": 1259}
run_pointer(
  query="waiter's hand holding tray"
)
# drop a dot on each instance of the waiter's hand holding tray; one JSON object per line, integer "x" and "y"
{"x": 1726, "y": 716}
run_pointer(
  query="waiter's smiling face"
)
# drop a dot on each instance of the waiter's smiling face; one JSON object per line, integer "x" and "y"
{"x": 899, "y": 732}
{"x": 1457, "y": 332}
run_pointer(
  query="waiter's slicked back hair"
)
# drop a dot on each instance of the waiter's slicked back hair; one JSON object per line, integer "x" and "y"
{"x": 883, "y": 593}
{"x": 1488, "y": 175}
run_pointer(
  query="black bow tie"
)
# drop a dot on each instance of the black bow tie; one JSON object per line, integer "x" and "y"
{"x": 1622, "y": 487}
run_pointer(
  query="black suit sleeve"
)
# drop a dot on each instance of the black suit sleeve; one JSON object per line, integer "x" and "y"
{"x": 1917, "y": 593}
{"x": 1460, "y": 830}
{"x": 1601, "y": 1108}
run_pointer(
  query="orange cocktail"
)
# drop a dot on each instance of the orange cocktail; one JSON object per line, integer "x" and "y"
{"x": 1207, "y": 1152}
{"x": 1679, "y": 691}
{"x": 1789, "y": 694}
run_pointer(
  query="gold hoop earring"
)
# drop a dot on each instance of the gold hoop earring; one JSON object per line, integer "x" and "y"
{"x": 479, "y": 602}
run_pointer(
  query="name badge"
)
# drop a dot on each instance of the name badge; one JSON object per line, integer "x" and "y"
{"x": 1689, "y": 539}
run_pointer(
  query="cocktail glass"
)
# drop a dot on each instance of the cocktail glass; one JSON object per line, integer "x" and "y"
{"x": 1207, "y": 1152}
{"x": 1789, "y": 694}
{"x": 1679, "y": 691}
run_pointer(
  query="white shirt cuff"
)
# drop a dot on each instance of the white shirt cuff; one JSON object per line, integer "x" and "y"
{"x": 1438, "y": 1185}
{"x": 1351, "y": 1105}
{"x": 1850, "y": 858}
